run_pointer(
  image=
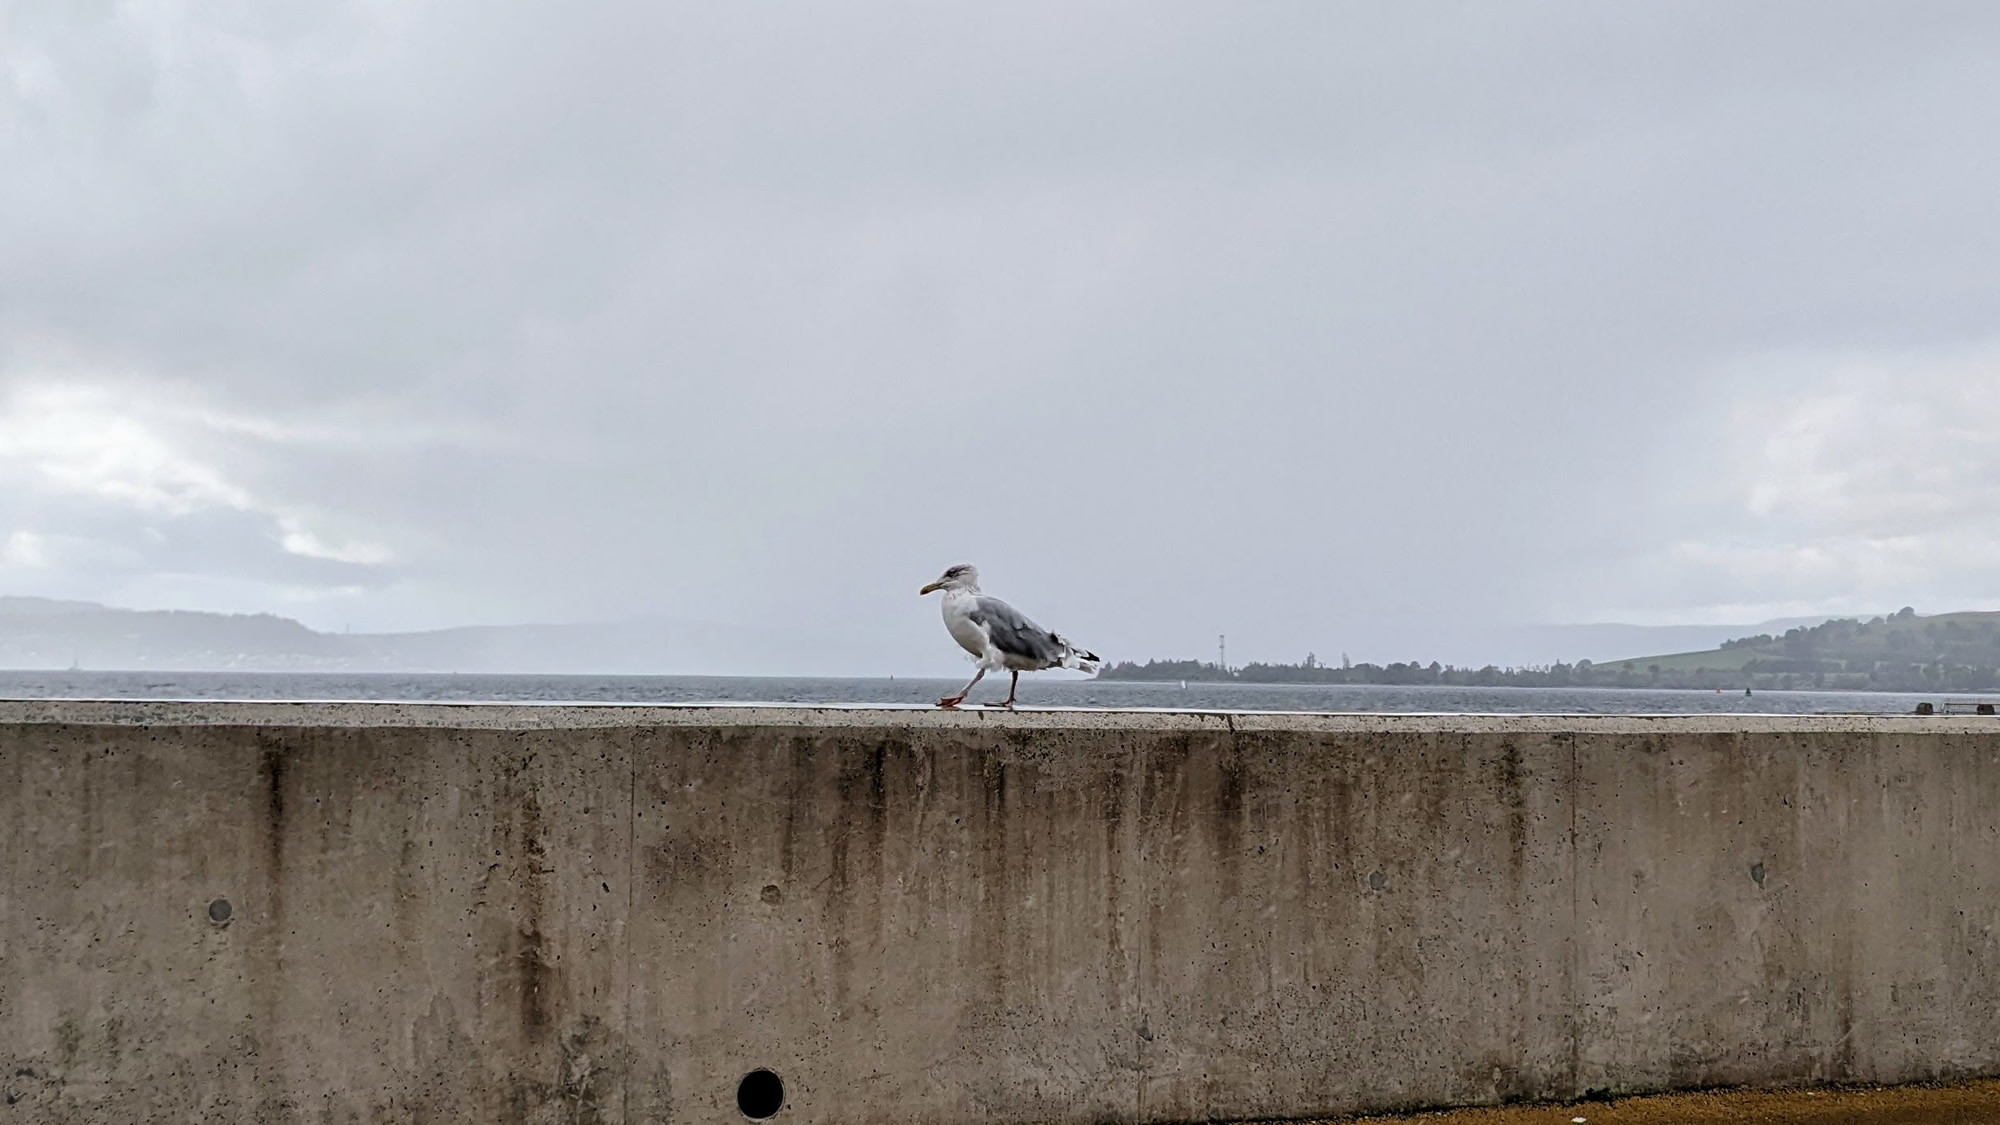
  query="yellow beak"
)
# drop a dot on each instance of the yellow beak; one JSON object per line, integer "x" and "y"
{"x": 929, "y": 588}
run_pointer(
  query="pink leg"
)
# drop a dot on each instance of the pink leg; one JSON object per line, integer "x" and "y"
{"x": 954, "y": 700}
{"x": 1011, "y": 689}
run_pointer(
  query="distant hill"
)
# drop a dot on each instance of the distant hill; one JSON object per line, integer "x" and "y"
{"x": 1899, "y": 651}
{"x": 1896, "y": 652}
{"x": 46, "y": 633}
{"x": 1533, "y": 645}
{"x": 43, "y": 633}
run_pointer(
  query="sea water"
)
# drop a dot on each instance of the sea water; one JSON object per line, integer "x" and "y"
{"x": 1036, "y": 691}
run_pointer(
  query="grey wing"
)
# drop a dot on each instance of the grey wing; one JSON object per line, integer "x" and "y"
{"x": 1014, "y": 634}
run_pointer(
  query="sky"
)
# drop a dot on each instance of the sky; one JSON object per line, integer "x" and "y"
{"x": 1328, "y": 326}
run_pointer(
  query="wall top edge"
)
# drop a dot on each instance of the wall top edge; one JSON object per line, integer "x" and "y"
{"x": 561, "y": 716}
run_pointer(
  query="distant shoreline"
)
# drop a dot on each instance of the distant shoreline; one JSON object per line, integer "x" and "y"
{"x": 1601, "y": 685}
{"x": 1900, "y": 652}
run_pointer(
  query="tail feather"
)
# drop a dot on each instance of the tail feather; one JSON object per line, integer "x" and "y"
{"x": 1081, "y": 660}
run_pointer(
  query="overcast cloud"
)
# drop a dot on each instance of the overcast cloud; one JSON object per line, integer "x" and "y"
{"x": 1328, "y": 326}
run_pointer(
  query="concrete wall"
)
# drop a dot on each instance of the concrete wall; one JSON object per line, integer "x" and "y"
{"x": 612, "y": 914}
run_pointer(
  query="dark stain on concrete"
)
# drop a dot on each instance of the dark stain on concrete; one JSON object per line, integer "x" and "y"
{"x": 406, "y": 899}
{"x": 272, "y": 768}
{"x": 1514, "y": 799}
{"x": 69, "y": 1040}
{"x": 267, "y": 965}
{"x": 86, "y": 848}
{"x": 798, "y": 794}
{"x": 592, "y": 1064}
{"x": 993, "y": 846}
{"x": 1501, "y": 1079}
{"x": 534, "y": 975}
{"x": 1228, "y": 821}
{"x": 877, "y": 805}
{"x": 838, "y": 897}
{"x": 534, "y": 971}
{"x": 272, "y": 762}
{"x": 857, "y": 840}
{"x": 1111, "y": 815}
{"x": 1338, "y": 804}
{"x": 1164, "y": 828}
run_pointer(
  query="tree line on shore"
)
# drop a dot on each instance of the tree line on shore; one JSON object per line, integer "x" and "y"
{"x": 1769, "y": 675}
{"x": 1581, "y": 674}
{"x": 1899, "y": 652}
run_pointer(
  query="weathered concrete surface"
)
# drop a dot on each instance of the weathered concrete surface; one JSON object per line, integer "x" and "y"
{"x": 611, "y": 914}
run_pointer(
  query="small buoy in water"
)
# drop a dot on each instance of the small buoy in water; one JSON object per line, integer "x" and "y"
{"x": 1183, "y": 685}
{"x": 1746, "y": 691}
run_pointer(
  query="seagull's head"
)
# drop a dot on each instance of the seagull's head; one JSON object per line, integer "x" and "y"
{"x": 964, "y": 576}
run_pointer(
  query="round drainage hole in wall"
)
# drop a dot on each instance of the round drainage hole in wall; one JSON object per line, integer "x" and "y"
{"x": 761, "y": 1094}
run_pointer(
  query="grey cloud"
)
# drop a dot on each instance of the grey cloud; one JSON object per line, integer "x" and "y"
{"x": 1326, "y": 326}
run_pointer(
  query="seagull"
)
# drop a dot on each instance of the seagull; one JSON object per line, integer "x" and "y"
{"x": 999, "y": 635}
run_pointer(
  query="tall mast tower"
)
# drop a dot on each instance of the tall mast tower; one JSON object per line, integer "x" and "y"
{"x": 1222, "y": 651}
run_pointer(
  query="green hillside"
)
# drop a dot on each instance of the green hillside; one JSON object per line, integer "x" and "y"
{"x": 1902, "y": 651}
{"x": 1950, "y": 652}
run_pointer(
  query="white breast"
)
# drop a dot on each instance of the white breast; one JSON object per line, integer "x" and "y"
{"x": 958, "y": 621}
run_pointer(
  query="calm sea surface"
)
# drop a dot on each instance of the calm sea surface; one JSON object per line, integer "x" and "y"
{"x": 916, "y": 692}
